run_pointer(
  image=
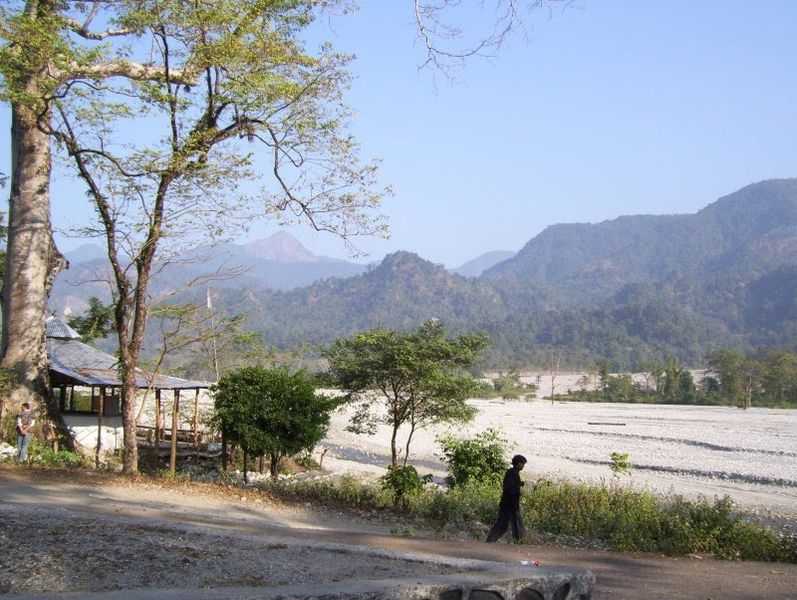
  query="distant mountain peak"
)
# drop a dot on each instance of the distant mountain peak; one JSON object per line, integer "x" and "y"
{"x": 280, "y": 247}
{"x": 478, "y": 265}
{"x": 85, "y": 253}
{"x": 406, "y": 260}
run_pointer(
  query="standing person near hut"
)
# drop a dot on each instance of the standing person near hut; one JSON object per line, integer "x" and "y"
{"x": 509, "y": 507}
{"x": 25, "y": 422}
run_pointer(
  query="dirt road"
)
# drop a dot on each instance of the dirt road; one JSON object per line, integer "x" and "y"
{"x": 248, "y": 515}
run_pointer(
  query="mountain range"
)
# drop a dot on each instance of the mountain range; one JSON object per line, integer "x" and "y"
{"x": 279, "y": 262}
{"x": 632, "y": 289}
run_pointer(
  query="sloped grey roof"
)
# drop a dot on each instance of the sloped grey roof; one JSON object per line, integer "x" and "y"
{"x": 56, "y": 328}
{"x": 85, "y": 364}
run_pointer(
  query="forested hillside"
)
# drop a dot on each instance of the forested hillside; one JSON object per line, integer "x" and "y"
{"x": 629, "y": 290}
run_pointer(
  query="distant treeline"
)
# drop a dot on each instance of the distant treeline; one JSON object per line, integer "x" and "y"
{"x": 732, "y": 379}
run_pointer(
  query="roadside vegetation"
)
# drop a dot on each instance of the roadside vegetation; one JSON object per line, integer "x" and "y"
{"x": 605, "y": 514}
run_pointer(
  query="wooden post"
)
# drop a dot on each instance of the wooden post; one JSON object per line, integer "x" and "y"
{"x": 196, "y": 421}
{"x": 175, "y": 414}
{"x": 158, "y": 417}
{"x": 99, "y": 426}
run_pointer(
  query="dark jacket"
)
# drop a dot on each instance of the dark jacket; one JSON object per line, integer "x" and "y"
{"x": 510, "y": 497}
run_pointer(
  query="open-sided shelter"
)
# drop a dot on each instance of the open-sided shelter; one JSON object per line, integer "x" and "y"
{"x": 86, "y": 383}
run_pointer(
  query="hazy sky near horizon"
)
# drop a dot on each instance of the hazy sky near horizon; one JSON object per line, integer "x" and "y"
{"x": 607, "y": 108}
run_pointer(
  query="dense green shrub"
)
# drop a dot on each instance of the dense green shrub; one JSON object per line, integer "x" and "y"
{"x": 403, "y": 482}
{"x": 271, "y": 412}
{"x": 482, "y": 458}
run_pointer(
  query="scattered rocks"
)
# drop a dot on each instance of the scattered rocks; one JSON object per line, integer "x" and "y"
{"x": 7, "y": 451}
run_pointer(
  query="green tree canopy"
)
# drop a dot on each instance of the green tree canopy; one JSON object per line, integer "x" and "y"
{"x": 416, "y": 378}
{"x": 96, "y": 323}
{"x": 271, "y": 412}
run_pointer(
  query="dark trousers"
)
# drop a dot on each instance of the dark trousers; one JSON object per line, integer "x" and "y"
{"x": 507, "y": 517}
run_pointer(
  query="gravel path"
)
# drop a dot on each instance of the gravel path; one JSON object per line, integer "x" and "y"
{"x": 58, "y": 551}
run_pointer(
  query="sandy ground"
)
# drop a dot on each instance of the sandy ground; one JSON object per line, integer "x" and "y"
{"x": 691, "y": 450}
{"x": 88, "y": 554}
{"x": 85, "y": 530}
{"x": 85, "y": 534}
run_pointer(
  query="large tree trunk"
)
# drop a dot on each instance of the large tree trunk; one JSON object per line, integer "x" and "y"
{"x": 130, "y": 460}
{"x": 273, "y": 466}
{"x": 32, "y": 262}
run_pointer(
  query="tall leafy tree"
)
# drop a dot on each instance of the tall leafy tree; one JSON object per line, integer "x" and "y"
{"x": 780, "y": 376}
{"x": 49, "y": 49}
{"x": 406, "y": 379}
{"x": 267, "y": 113}
{"x": 728, "y": 366}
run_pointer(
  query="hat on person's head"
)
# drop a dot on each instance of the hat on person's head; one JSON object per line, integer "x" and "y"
{"x": 518, "y": 459}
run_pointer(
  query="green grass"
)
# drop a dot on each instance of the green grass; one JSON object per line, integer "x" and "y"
{"x": 622, "y": 518}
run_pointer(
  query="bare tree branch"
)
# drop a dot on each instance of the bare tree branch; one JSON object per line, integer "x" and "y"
{"x": 82, "y": 29}
{"x": 445, "y": 43}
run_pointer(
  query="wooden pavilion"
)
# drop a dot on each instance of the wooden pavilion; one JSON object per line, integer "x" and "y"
{"x": 85, "y": 381}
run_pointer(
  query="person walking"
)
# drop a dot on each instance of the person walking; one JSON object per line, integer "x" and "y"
{"x": 25, "y": 422}
{"x": 509, "y": 507}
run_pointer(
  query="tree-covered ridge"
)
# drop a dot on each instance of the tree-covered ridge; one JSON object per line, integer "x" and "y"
{"x": 752, "y": 229}
{"x": 722, "y": 278}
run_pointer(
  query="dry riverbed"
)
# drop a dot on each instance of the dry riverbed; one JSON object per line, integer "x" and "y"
{"x": 750, "y": 455}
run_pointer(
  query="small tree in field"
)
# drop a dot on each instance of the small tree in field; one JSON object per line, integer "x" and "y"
{"x": 271, "y": 412}
{"x": 620, "y": 463}
{"x": 419, "y": 378}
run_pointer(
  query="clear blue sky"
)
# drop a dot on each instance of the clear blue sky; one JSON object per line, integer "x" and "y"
{"x": 607, "y": 108}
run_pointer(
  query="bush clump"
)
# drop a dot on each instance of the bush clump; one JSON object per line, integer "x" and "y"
{"x": 403, "y": 482}
{"x": 42, "y": 455}
{"x": 482, "y": 458}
